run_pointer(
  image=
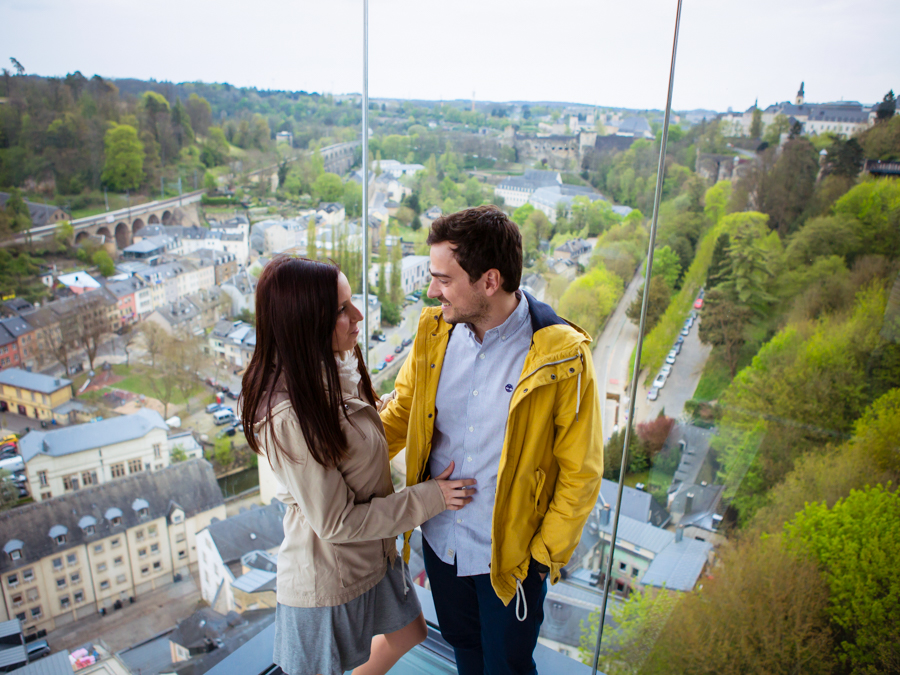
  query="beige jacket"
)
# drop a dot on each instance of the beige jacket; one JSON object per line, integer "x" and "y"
{"x": 340, "y": 524}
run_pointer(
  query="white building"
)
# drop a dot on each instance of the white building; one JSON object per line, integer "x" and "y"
{"x": 397, "y": 169}
{"x": 515, "y": 190}
{"x": 415, "y": 273}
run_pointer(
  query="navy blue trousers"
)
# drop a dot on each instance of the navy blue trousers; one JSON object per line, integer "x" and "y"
{"x": 486, "y": 635}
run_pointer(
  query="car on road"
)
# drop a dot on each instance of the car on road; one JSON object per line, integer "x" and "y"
{"x": 698, "y": 303}
{"x": 670, "y": 359}
{"x": 666, "y": 369}
{"x": 677, "y": 347}
{"x": 660, "y": 381}
{"x": 213, "y": 407}
{"x": 233, "y": 395}
{"x": 382, "y": 365}
{"x": 379, "y": 337}
{"x": 689, "y": 322}
{"x": 685, "y": 330}
{"x": 37, "y": 650}
{"x": 411, "y": 298}
{"x": 653, "y": 394}
{"x": 407, "y": 342}
{"x": 388, "y": 358}
{"x": 399, "y": 348}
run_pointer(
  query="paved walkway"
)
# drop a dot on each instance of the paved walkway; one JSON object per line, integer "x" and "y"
{"x": 150, "y": 615}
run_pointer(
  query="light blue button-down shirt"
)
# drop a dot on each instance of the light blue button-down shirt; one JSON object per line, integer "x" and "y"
{"x": 472, "y": 406}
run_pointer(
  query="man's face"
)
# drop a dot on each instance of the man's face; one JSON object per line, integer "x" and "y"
{"x": 461, "y": 300}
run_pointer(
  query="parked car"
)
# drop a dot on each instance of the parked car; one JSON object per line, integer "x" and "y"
{"x": 698, "y": 303}
{"x": 685, "y": 330}
{"x": 213, "y": 407}
{"x": 388, "y": 358}
{"x": 666, "y": 369}
{"x": 223, "y": 416}
{"x": 653, "y": 394}
{"x": 398, "y": 349}
{"x": 407, "y": 342}
{"x": 379, "y": 337}
{"x": 670, "y": 359}
{"x": 233, "y": 395}
{"x": 382, "y": 365}
{"x": 660, "y": 381}
{"x": 412, "y": 298}
{"x": 679, "y": 340}
{"x": 37, "y": 650}
{"x": 677, "y": 347}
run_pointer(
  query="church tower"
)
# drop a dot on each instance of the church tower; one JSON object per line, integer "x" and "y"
{"x": 799, "y": 99}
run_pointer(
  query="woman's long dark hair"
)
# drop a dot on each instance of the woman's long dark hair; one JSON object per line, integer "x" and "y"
{"x": 296, "y": 313}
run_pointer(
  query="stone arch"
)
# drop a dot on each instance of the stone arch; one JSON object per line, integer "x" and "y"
{"x": 105, "y": 232}
{"x": 123, "y": 236}
{"x": 167, "y": 218}
{"x": 81, "y": 236}
{"x": 153, "y": 219}
{"x": 136, "y": 225}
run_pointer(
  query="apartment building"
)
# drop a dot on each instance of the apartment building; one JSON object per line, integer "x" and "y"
{"x": 70, "y": 459}
{"x": 71, "y": 556}
{"x": 222, "y": 545}
{"x": 32, "y": 394}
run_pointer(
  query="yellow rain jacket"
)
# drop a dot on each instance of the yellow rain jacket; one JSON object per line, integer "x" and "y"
{"x": 552, "y": 457}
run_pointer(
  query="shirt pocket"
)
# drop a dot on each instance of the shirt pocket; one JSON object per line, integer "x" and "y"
{"x": 357, "y": 560}
{"x": 540, "y": 500}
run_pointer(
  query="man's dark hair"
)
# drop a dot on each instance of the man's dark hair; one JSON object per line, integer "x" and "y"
{"x": 482, "y": 238}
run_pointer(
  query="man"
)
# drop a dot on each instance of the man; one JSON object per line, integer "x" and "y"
{"x": 502, "y": 387}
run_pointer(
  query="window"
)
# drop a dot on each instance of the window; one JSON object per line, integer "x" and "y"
{"x": 21, "y": 616}
{"x": 60, "y": 540}
{"x": 42, "y": 478}
{"x": 15, "y": 554}
{"x": 89, "y": 530}
{"x": 144, "y": 513}
{"x": 98, "y": 548}
{"x": 18, "y": 599}
{"x": 135, "y": 466}
{"x": 121, "y": 579}
{"x": 36, "y": 612}
{"x": 151, "y": 530}
{"x": 177, "y": 518}
{"x": 61, "y": 583}
{"x": 118, "y": 470}
{"x": 57, "y": 563}
{"x": 75, "y": 578}
{"x": 32, "y": 594}
{"x": 114, "y": 543}
{"x": 142, "y": 553}
{"x": 46, "y": 495}
{"x": 28, "y": 575}
{"x": 70, "y": 482}
{"x": 104, "y": 585}
{"x": 79, "y": 597}
{"x": 634, "y": 572}
{"x": 89, "y": 478}
{"x": 101, "y": 567}
{"x": 157, "y": 450}
{"x": 116, "y": 521}
{"x": 12, "y": 580}
{"x": 157, "y": 566}
{"x": 154, "y": 548}
{"x": 145, "y": 570}
{"x": 72, "y": 559}
{"x": 182, "y": 555}
{"x": 179, "y": 537}
{"x": 64, "y": 602}
{"x": 139, "y": 535}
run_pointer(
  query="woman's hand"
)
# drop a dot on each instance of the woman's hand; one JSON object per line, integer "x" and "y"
{"x": 456, "y": 493}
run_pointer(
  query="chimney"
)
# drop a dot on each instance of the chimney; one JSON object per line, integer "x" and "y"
{"x": 688, "y": 502}
{"x": 679, "y": 533}
{"x": 604, "y": 515}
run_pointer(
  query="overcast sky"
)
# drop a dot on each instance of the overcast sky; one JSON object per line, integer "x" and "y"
{"x": 603, "y": 53}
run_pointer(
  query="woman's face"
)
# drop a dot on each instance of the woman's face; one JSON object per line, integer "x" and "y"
{"x": 346, "y": 331}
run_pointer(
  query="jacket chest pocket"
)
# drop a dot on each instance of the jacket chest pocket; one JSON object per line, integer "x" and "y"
{"x": 357, "y": 560}
{"x": 540, "y": 499}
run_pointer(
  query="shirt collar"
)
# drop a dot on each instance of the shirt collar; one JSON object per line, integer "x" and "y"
{"x": 511, "y": 326}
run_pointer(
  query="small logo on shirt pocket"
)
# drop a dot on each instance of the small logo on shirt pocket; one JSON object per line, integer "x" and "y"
{"x": 508, "y": 388}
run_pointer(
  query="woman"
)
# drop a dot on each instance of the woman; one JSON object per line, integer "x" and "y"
{"x": 308, "y": 398}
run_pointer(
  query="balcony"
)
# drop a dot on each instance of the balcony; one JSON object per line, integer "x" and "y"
{"x": 433, "y": 657}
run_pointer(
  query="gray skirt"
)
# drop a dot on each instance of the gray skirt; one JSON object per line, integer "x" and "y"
{"x": 332, "y": 640}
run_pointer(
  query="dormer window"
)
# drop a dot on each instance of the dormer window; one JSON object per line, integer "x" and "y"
{"x": 13, "y": 548}
{"x": 58, "y": 534}
{"x": 60, "y": 540}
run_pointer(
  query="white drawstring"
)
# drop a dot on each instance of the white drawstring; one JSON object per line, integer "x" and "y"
{"x": 521, "y": 600}
{"x": 578, "y": 397}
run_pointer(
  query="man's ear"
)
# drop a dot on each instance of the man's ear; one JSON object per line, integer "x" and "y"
{"x": 493, "y": 282}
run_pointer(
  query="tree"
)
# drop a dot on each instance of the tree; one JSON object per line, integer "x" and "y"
{"x": 716, "y": 201}
{"x": 210, "y": 184}
{"x": 752, "y": 261}
{"x": 177, "y": 454}
{"x": 103, "y": 261}
{"x": 667, "y": 265}
{"x": 856, "y": 543}
{"x": 660, "y": 294}
{"x": 396, "y": 293}
{"x": 129, "y": 336}
{"x": 352, "y": 199}
{"x": 719, "y": 269}
{"x": 780, "y": 125}
{"x": 328, "y": 188}
{"x": 124, "y": 167}
{"x": 64, "y": 233}
{"x": 756, "y": 123}
{"x": 887, "y": 107}
{"x": 876, "y": 206}
{"x": 17, "y": 211}
{"x": 786, "y": 190}
{"x": 223, "y": 452}
{"x": 312, "y": 250}
{"x": 590, "y": 298}
{"x": 520, "y": 215}
{"x": 536, "y": 228}
{"x": 724, "y": 325}
{"x": 154, "y": 339}
{"x": 9, "y": 494}
{"x": 200, "y": 112}
{"x": 187, "y": 360}
{"x": 214, "y": 151}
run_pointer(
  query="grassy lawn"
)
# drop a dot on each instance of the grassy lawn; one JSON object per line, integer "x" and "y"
{"x": 714, "y": 379}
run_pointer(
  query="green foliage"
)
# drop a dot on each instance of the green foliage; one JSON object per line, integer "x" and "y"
{"x": 780, "y": 125}
{"x": 786, "y": 190}
{"x": 214, "y": 151}
{"x": 589, "y": 299}
{"x": 660, "y": 294}
{"x": 124, "y": 167}
{"x": 876, "y": 205}
{"x": 857, "y": 543}
{"x": 882, "y": 141}
{"x": 104, "y": 262}
{"x": 756, "y": 125}
{"x": 223, "y": 453}
{"x": 9, "y": 494}
{"x": 724, "y": 325}
{"x": 177, "y": 454}
{"x": 716, "y": 201}
{"x": 65, "y": 233}
{"x": 390, "y": 314}
{"x": 328, "y": 188}
{"x": 754, "y": 255}
{"x": 520, "y": 215}
{"x": 18, "y": 276}
{"x": 667, "y": 265}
